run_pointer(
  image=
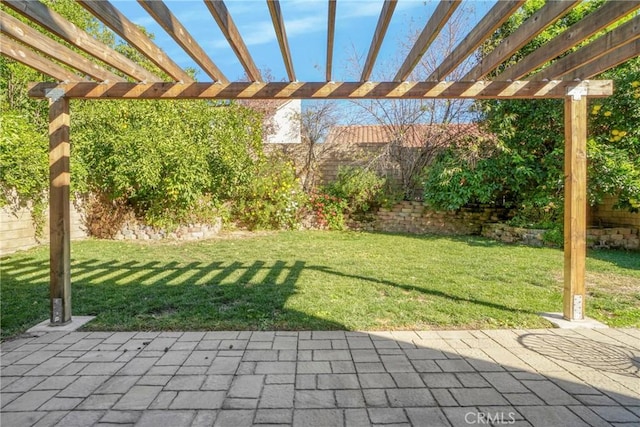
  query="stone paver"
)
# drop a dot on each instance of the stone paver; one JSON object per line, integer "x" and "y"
{"x": 322, "y": 378}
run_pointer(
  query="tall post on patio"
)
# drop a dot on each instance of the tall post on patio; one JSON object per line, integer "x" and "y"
{"x": 59, "y": 222}
{"x": 575, "y": 204}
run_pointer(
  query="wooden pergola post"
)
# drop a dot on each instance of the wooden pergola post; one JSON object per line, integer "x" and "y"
{"x": 59, "y": 221}
{"x": 575, "y": 203}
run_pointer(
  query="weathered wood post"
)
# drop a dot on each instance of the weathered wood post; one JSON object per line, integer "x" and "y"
{"x": 575, "y": 204}
{"x": 59, "y": 222}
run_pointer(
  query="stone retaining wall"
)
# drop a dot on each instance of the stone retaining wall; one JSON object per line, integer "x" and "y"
{"x": 598, "y": 238}
{"x": 18, "y": 232}
{"x": 416, "y": 218}
{"x": 133, "y": 230}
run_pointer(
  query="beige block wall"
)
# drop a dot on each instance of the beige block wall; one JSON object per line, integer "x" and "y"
{"x": 17, "y": 231}
{"x": 605, "y": 215}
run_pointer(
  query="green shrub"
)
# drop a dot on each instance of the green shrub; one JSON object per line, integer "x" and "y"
{"x": 172, "y": 162}
{"x": 23, "y": 166}
{"x": 554, "y": 236}
{"x": 329, "y": 210}
{"x": 272, "y": 197}
{"x": 362, "y": 189}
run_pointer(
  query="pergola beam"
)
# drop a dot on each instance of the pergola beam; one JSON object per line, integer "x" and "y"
{"x": 598, "y": 20}
{"x": 381, "y": 29}
{"x": 26, "y": 56}
{"x": 329, "y": 90}
{"x": 167, "y": 20}
{"x": 619, "y": 36}
{"x": 608, "y": 61}
{"x": 541, "y": 19}
{"x": 281, "y": 35}
{"x": 498, "y": 14}
{"x": 432, "y": 28}
{"x": 112, "y": 18}
{"x": 42, "y": 15}
{"x": 221, "y": 14}
{"x": 331, "y": 32}
{"x": 20, "y": 31}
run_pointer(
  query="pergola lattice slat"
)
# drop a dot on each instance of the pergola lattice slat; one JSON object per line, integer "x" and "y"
{"x": 163, "y": 16}
{"x": 328, "y": 90}
{"x": 606, "y": 62}
{"x": 378, "y": 36}
{"x": 497, "y": 16}
{"x": 331, "y": 32}
{"x": 112, "y": 18}
{"x": 281, "y": 35}
{"x": 532, "y": 27}
{"x": 221, "y": 14}
{"x": 619, "y": 36}
{"x": 26, "y": 56}
{"x": 434, "y": 25}
{"x": 600, "y": 19}
{"x": 42, "y": 15}
{"x": 18, "y": 30}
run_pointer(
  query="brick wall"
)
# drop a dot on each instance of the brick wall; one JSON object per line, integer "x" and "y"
{"x": 598, "y": 238}
{"x": 604, "y": 215}
{"x": 17, "y": 231}
{"x": 415, "y": 218}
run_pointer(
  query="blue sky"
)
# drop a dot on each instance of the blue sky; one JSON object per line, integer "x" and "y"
{"x": 306, "y": 26}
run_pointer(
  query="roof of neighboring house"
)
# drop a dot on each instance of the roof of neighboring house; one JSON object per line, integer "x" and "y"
{"x": 414, "y": 135}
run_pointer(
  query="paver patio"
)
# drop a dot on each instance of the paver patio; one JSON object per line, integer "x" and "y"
{"x": 552, "y": 377}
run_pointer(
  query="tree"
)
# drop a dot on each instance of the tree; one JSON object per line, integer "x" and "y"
{"x": 320, "y": 123}
{"x": 417, "y": 130}
{"x": 525, "y": 170}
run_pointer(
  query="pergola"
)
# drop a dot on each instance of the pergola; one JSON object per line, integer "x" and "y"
{"x": 548, "y": 72}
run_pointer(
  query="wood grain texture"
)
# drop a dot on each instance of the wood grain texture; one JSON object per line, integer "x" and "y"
{"x": 329, "y": 90}
{"x": 20, "y": 31}
{"x": 575, "y": 205}
{"x": 605, "y": 15}
{"x": 42, "y": 15}
{"x": 59, "y": 208}
{"x": 163, "y": 16}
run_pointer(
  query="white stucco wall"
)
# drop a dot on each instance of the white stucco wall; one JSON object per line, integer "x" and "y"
{"x": 286, "y": 124}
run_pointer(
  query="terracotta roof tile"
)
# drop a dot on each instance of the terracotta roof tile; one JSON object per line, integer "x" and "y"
{"x": 414, "y": 135}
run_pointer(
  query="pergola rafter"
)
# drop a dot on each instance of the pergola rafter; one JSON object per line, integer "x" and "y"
{"x": 563, "y": 76}
{"x": 221, "y": 14}
{"x": 50, "y": 20}
{"x": 331, "y": 32}
{"x": 543, "y": 18}
{"x": 434, "y": 25}
{"x": 606, "y": 62}
{"x": 497, "y": 16}
{"x": 18, "y": 30}
{"x": 281, "y": 35}
{"x": 28, "y": 57}
{"x": 600, "y": 19}
{"x": 624, "y": 34}
{"x": 112, "y": 18}
{"x": 378, "y": 36}
{"x": 163, "y": 16}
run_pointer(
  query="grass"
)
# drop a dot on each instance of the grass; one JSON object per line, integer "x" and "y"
{"x": 316, "y": 280}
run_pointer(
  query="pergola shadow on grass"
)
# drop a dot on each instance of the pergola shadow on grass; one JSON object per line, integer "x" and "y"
{"x": 314, "y": 280}
{"x": 547, "y": 71}
{"x": 171, "y": 296}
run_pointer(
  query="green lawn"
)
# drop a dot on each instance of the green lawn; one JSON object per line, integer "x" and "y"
{"x": 316, "y": 280}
